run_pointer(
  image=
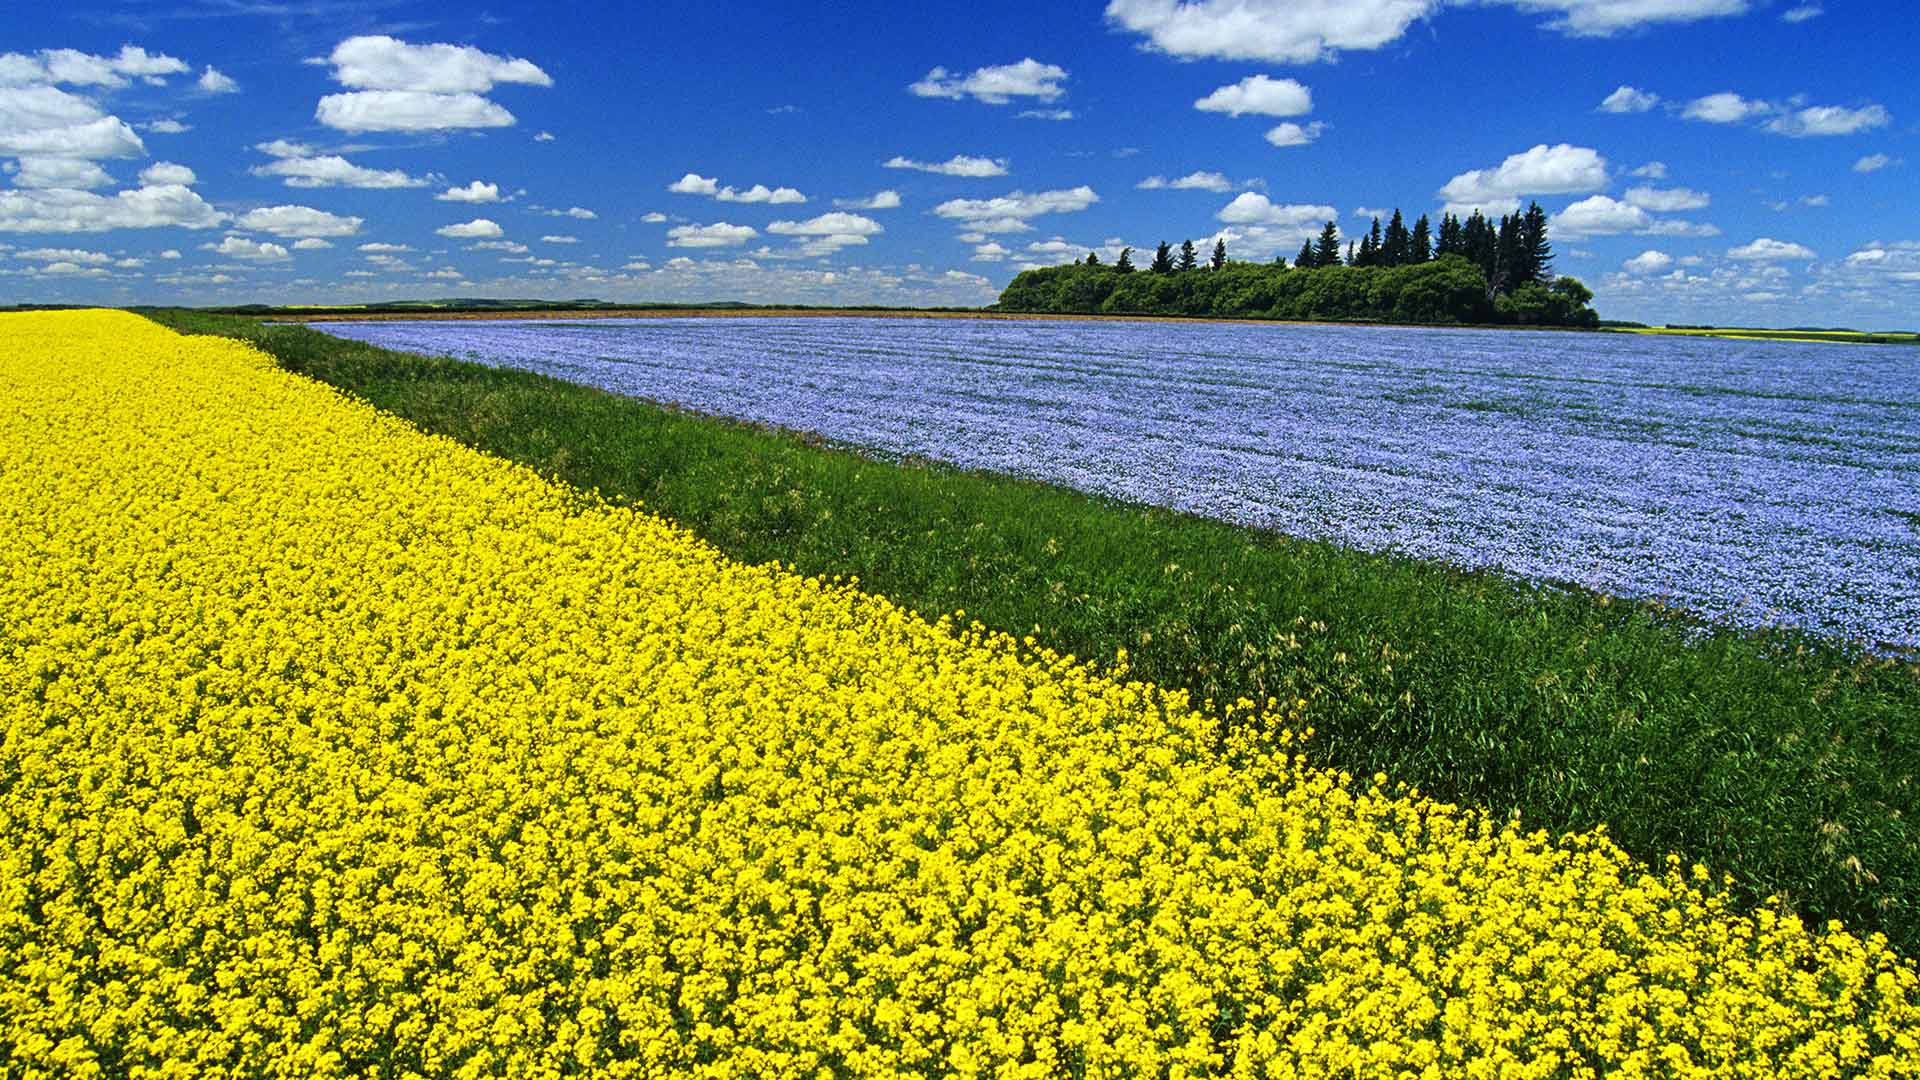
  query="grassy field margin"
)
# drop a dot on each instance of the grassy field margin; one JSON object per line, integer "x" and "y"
{"x": 1788, "y": 762}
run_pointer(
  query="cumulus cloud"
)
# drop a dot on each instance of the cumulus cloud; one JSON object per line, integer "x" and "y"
{"x": 1253, "y": 208}
{"x": 298, "y": 166}
{"x": 1543, "y": 170}
{"x": 559, "y": 239}
{"x": 72, "y": 255}
{"x": 1818, "y": 120}
{"x": 298, "y": 222}
{"x": 957, "y": 165}
{"x": 167, "y": 127}
{"x": 60, "y": 172}
{"x": 654, "y": 217}
{"x": 1601, "y": 18}
{"x": 719, "y": 234}
{"x": 77, "y": 68}
{"x": 1802, "y": 13}
{"x": 69, "y": 211}
{"x": 695, "y": 184}
{"x": 1279, "y": 31}
{"x": 1629, "y": 99}
{"x": 1193, "y": 181}
{"x": 879, "y": 200}
{"x": 1766, "y": 249}
{"x": 166, "y": 172}
{"x": 1259, "y": 95}
{"x": 46, "y": 121}
{"x": 476, "y": 192}
{"x": 240, "y": 247}
{"x": 1668, "y": 200}
{"x": 995, "y": 85}
{"x": 1044, "y": 114}
{"x": 1724, "y": 108}
{"x": 212, "y": 81}
{"x": 833, "y": 224}
{"x": 1873, "y": 163}
{"x": 1600, "y": 215}
{"x": 477, "y": 229}
{"x": 1010, "y": 212}
{"x": 398, "y": 86}
{"x": 1292, "y": 134}
{"x": 1652, "y": 170}
{"x": 311, "y": 243}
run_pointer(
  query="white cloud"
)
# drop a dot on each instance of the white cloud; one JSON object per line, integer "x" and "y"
{"x": 240, "y": 247}
{"x": 212, "y": 81}
{"x": 1802, "y": 13}
{"x": 168, "y": 127}
{"x": 1648, "y": 262}
{"x": 957, "y": 165}
{"x": 311, "y": 243}
{"x": 477, "y": 229}
{"x": 833, "y": 224}
{"x": 694, "y": 184}
{"x": 1292, "y": 134}
{"x": 719, "y": 234}
{"x": 1668, "y": 200}
{"x": 1873, "y": 163}
{"x": 298, "y": 167}
{"x": 1816, "y": 200}
{"x": 408, "y": 110}
{"x": 544, "y": 136}
{"x": 1600, "y": 215}
{"x": 1600, "y": 18}
{"x": 84, "y": 69}
{"x": 1766, "y": 249}
{"x": 654, "y": 217}
{"x": 73, "y": 255}
{"x": 1009, "y": 213}
{"x": 559, "y": 239}
{"x": 1193, "y": 181}
{"x": 378, "y": 62}
{"x": 637, "y": 264}
{"x": 1652, "y": 170}
{"x": 60, "y": 172}
{"x": 760, "y": 193}
{"x": 1260, "y": 96}
{"x": 1628, "y": 99}
{"x": 1253, "y": 208}
{"x": 1044, "y": 114}
{"x": 476, "y": 192}
{"x": 879, "y": 200}
{"x": 508, "y": 246}
{"x": 1543, "y": 170}
{"x": 1725, "y": 108}
{"x": 166, "y": 172}
{"x": 66, "y": 211}
{"x": 297, "y": 221}
{"x": 995, "y": 85}
{"x": 1281, "y": 31}
{"x": 378, "y": 248}
{"x": 991, "y": 251}
{"x": 45, "y": 121}
{"x": 578, "y": 213}
{"x": 1829, "y": 120}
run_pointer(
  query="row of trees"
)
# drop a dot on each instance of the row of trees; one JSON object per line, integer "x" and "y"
{"x": 1472, "y": 271}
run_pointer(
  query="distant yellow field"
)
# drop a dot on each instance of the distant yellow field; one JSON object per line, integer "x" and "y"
{"x": 1837, "y": 337}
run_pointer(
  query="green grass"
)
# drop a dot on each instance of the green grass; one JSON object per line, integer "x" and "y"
{"x": 1786, "y": 761}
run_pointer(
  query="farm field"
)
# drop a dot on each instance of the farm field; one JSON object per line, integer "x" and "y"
{"x": 1752, "y": 483}
{"x": 1779, "y": 757}
{"x": 334, "y": 748}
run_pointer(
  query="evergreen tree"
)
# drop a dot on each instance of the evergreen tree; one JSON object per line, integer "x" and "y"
{"x": 1124, "y": 264}
{"x": 1350, "y": 256}
{"x": 1479, "y": 243}
{"x": 1327, "y": 251}
{"x": 1305, "y": 260}
{"x": 1162, "y": 259}
{"x": 1093, "y": 258}
{"x": 1511, "y": 263}
{"x": 1369, "y": 254}
{"x": 1189, "y": 258}
{"x": 1219, "y": 260}
{"x": 1379, "y": 250}
{"x": 1450, "y": 242}
{"x": 1420, "y": 245}
{"x": 1397, "y": 248}
{"x": 1535, "y": 252}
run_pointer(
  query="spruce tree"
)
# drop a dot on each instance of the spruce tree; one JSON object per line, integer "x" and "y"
{"x": 1327, "y": 251}
{"x": 1511, "y": 262}
{"x": 1219, "y": 260}
{"x": 1535, "y": 251}
{"x": 1379, "y": 251}
{"x": 1397, "y": 248}
{"x": 1093, "y": 258}
{"x": 1124, "y": 264}
{"x": 1189, "y": 258}
{"x": 1450, "y": 242}
{"x": 1350, "y": 256}
{"x": 1420, "y": 246}
{"x": 1369, "y": 254}
{"x": 1479, "y": 244}
{"x": 1305, "y": 260}
{"x": 1162, "y": 259}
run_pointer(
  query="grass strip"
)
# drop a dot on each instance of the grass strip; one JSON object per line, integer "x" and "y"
{"x": 1787, "y": 761}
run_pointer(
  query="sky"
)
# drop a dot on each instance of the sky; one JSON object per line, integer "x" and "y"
{"x": 1738, "y": 162}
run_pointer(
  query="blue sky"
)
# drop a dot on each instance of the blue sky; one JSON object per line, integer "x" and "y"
{"x": 1729, "y": 161}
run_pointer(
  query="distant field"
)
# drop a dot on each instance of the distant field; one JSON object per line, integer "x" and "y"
{"x": 1844, "y": 337}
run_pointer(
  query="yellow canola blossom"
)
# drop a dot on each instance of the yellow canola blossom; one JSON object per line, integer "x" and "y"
{"x": 330, "y": 748}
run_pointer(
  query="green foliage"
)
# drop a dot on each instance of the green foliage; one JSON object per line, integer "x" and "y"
{"x": 1326, "y": 252}
{"x": 1219, "y": 254}
{"x": 1162, "y": 259}
{"x": 1124, "y": 264}
{"x": 1189, "y": 258}
{"x": 1446, "y": 290}
{"x": 1785, "y": 761}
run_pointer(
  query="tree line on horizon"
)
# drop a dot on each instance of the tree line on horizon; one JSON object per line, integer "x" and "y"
{"x": 1471, "y": 271}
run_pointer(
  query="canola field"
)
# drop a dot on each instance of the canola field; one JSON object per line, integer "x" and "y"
{"x": 329, "y": 748}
